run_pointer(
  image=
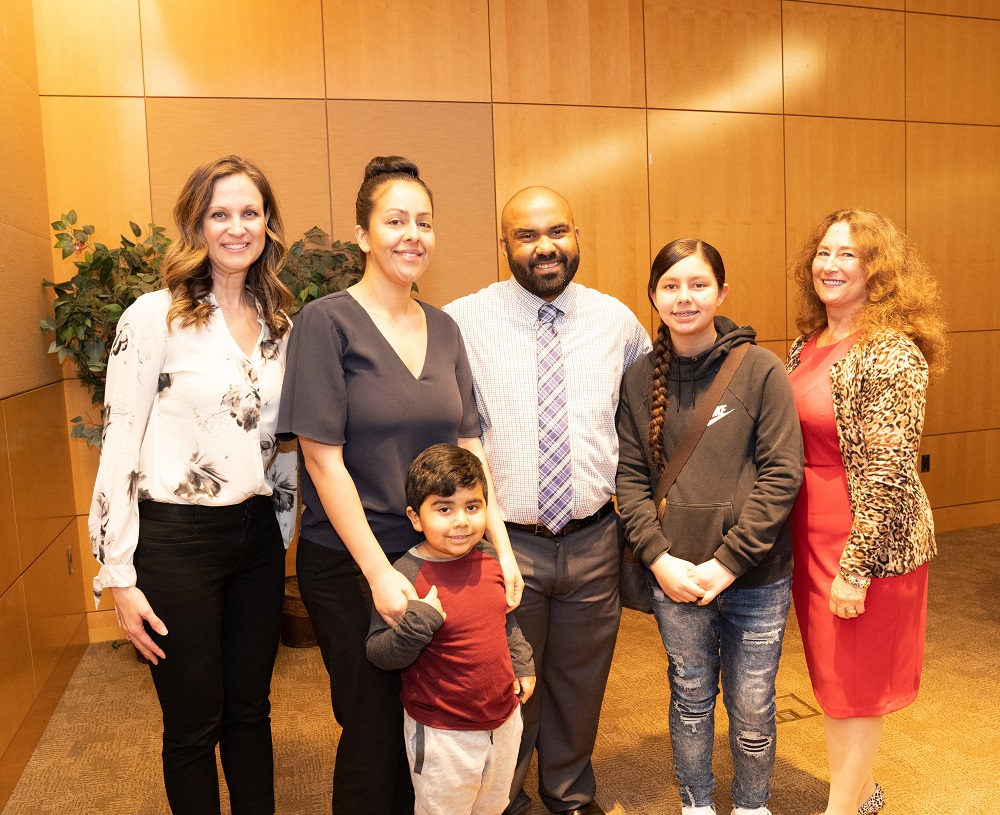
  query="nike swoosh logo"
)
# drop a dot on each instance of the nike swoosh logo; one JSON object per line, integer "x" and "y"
{"x": 714, "y": 419}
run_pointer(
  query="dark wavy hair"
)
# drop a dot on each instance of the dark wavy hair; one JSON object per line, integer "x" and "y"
{"x": 671, "y": 254}
{"x": 186, "y": 269}
{"x": 443, "y": 469}
{"x": 902, "y": 293}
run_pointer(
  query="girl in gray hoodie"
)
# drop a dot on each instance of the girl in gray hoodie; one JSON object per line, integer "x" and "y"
{"x": 720, "y": 562}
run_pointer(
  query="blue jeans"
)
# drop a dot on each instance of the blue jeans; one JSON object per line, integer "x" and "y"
{"x": 739, "y": 633}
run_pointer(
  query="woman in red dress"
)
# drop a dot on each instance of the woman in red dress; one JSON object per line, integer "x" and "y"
{"x": 870, "y": 333}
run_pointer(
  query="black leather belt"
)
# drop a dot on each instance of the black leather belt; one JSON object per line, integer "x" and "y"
{"x": 573, "y": 526}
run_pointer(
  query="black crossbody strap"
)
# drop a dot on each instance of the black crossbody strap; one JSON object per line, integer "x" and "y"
{"x": 697, "y": 426}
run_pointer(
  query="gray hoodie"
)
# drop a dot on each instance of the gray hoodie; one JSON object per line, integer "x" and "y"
{"x": 733, "y": 497}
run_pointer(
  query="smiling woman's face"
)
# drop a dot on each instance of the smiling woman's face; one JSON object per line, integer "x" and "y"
{"x": 838, "y": 276}
{"x": 399, "y": 240}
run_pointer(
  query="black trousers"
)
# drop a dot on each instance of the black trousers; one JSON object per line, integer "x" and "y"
{"x": 372, "y": 775}
{"x": 215, "y": 576}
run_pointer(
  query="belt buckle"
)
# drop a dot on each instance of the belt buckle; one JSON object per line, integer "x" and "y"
{"x": 542, "y": 531}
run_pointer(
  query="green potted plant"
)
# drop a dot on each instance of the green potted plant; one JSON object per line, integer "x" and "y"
{"x": 87, "y": 307}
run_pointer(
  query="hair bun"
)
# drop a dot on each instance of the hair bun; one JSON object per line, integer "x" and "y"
{"x": 390, "y": 165}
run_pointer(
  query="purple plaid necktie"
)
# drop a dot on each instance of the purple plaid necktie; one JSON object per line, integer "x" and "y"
{"x": 555, "y": 488}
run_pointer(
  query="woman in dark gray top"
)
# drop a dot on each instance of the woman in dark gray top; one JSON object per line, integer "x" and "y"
{"x": 373, "y": 377}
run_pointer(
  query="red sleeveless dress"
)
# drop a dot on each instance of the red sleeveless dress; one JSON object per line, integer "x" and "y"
{"x": 870, "y": 665}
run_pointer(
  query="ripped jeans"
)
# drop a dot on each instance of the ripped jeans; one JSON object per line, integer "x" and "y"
{"x": 739, "y": 633}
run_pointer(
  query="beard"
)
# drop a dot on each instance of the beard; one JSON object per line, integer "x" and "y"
{"x": 549, "y": 284}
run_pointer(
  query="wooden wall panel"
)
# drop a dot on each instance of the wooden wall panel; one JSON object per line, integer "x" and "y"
{"x": 719, "y": 177}
{"x": 957, "y": 8}
{"x": 952, "y": 187}
{"x": 267, "y": 50}
{"x": 102, "y": 626}
{"x": 287, "y": 138}
{"x": 894, "y": 5}
{"x": 22, "y": 169}
{"x": 841, "y": 61}
{"x": 966, "y": 515}
{"x": 96, "y": 53}
{"x": 10, "y": 556}
{"x": 24, "y": 261}
{"x": 101, "y": 171}
{"x": 952, "y": 70}
{"x": 833, "y": 164}
{"x": 596, "y": 158}
{"x": 54, "y": 601}
{"x": 38, "y": 441}
{"x": 966, "y": 396}
{"x": 958, "y": 462}
{"x": 17, "y": 42}
{"x": 436, "y": 50}
{"x": 715, "y": 55}
{"x": 568, "y": 52}
{"x": 452, "y": 144}
{"x": 84, "y": 459}
{"x": 17, "y": 680}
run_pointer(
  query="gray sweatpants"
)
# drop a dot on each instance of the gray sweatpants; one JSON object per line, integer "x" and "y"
{"x": 462, "y": 772}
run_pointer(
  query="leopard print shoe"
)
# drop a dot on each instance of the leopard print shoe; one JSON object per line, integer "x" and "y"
{"x": 874, "y": 803}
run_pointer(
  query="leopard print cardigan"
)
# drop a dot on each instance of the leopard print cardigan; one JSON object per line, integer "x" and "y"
{"x": 879, "y": 390}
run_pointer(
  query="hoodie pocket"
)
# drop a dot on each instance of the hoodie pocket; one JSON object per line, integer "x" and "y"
{"x": 695, "y": 531}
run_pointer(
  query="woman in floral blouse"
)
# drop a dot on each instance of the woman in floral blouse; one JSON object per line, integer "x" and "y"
{"x": 194, "y": 504}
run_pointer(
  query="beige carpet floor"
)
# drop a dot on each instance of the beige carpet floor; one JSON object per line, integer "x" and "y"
{"x": 100, "y": 752}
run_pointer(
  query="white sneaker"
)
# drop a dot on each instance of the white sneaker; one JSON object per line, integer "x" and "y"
{"x": 755, "y": 811}
{"x": 697, "y": 810}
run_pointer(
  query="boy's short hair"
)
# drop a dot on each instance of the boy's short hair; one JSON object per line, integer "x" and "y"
{"x": 443, "y": 469}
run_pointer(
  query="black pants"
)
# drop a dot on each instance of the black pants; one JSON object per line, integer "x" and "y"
{"x": 372, "y": 775}
{"x": 215, "y": 576}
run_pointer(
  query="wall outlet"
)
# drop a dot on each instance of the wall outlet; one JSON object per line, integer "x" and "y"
{"x": 925, "y": 463}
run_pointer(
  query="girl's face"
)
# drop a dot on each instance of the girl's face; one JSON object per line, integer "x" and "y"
{"x": 687, "y": 296}
{"x": 399, "y": 238}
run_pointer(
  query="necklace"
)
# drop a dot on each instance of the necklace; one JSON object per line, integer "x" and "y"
{"x": 831, "y": 337}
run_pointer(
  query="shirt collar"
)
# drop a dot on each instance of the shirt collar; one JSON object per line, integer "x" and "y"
{"x": 530, "y": 303}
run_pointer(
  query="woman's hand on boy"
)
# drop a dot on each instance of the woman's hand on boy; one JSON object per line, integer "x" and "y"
{"x": 512, "y": 581}
{"x": 390, "y": 594}
{"x": 523, "y": 687}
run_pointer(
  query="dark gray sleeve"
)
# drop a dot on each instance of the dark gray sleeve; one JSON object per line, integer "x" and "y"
{"x": 392, "y": 648}
{"x": 314, "y": 390}
{"x": 778, "y": 456}
{"x": 520, "y": 651}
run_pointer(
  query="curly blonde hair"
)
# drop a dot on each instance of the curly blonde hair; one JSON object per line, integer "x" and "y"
{"x": 186, "y": 269}
{"x": 902, "y": 294}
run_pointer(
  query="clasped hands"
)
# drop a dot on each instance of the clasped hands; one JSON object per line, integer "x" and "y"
{"x": 684, "y": 582}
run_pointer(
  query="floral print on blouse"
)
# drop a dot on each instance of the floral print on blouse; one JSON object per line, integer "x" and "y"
{"x": 188, "y": 419}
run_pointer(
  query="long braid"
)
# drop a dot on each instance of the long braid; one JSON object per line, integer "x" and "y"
{"x": 658, "y": 391}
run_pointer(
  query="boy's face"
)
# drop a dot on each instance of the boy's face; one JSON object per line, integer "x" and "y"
{"x": 451, "y": 525}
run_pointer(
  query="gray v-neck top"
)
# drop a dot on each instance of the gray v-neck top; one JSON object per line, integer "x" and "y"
{"x": 346, "y": 385}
